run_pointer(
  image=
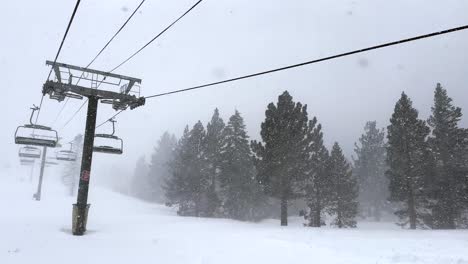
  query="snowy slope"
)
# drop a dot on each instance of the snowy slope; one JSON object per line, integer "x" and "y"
{"x": 125, "y": 230}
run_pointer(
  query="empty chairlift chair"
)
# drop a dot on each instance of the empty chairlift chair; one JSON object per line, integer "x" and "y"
{"x": 66, "y": 155}
{"x": 29, "y": 152}
{"x": 27, "y": 162}
{"x": 36, "y": 135}
{"x": 108, "y": 143}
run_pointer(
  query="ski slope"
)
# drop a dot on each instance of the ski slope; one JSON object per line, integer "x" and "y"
{"x": 125, "y": 230}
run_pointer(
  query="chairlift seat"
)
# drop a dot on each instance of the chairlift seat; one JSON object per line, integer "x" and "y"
{"x": 29, "y": 152}
{"x": 51, "y": 163}
{"x": 29, "y": 155}
{"x": 26, "y": 162}
{"x": 35, "y": 142}
{"x": 107, "y": 149}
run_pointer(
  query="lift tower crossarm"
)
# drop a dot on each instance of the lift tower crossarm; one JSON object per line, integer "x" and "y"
{"x": 62, "y": 86}
{"x": 51, "y": 86}
{"x": 59, "y": 65}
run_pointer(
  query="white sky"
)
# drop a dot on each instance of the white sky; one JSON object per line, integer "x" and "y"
{"x": 226, "y": 38}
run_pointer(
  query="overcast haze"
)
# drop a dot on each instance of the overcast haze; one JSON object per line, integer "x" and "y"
{"x": 224, "y": 39}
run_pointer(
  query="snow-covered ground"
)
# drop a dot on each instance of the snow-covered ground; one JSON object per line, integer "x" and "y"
{"x": 125, "y": 230}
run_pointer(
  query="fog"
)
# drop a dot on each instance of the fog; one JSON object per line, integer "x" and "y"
{"x": 224, "y": 39}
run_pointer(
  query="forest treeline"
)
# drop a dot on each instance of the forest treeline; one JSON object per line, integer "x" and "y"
{"x": 415, "y": 168}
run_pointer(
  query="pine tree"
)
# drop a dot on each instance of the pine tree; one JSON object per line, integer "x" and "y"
{"x": 369, "y": 168}
{"x": 463, "y": 223}
{"x": 213, "y": 141}
{"x": 175, "y": 186}
{"x": 242, "y": 195}
{"x": 139, "y": 184}
{"x": 162, "y": 156}
{"x": 317, "y": 184}
{"x": 149, "y": 185}
{"x": 189, "y": 184}
{"x": 281, "y": 156}
{"x": 71, "y": 174}
{"x": 406, "y": 152}
{"x": 344, "y": 205}
{"x": 448, "y": 145}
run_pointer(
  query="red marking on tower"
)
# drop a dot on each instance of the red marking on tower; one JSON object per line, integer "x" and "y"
{"x": 85, "y": 176}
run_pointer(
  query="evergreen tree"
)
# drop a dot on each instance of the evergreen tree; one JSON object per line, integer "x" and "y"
{"x": 317, "y": 184}
{"x": 213, "y": 141}
{"x": 344, "y": 203}
{"x": 71, "y": 174}
{"x": 463, "y": 222}
{"x": 406, "y": 153}
{"x": 280, "y": 158}
{"x": 162, "y": 156}
{"x": 139, "y": 184}
{"x": 175, "y": 186}
{"x": 448, "y": 145}
{"x": 242, "y": 196}
{"x": 189, "y": 184}
{"x": 369, "y": 168}
{"x": 149, "y": 185}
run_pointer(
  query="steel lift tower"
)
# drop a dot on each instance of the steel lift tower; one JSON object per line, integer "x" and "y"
{"x": 124, "y": 93}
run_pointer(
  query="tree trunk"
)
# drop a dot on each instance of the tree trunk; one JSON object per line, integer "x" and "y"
{"x": 450, "y": 191}
{"x": 450, "y": 217}
{"x": 377, "y": 212}
{"x": 451, "y": 203}
{"x": 411, "y": 202}
{"x": 339, "y": 206}
{"x": 317, "y": 212}
{"x": 284, "y": 210}
{"x": 411, "y": 208}
{"x": 197, "y": 206}
{"x": 339, "y": 217}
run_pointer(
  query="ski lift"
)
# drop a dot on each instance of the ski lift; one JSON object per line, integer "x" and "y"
{"x": 36, "y": 135}
{"x": 27, "y": 162}
{"x": 29, "y": 152}
{"x": 108, "y": 143}
{"x": 66, "y": 155}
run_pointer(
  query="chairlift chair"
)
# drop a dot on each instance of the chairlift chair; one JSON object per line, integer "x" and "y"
{"x": 117, "y": 144}
{"x": 29, "y": 152}
{"x": 66, "y": 155}
{"x": 27, "y": 162}
{"x": 108, "y": 143}
{"x": 36, "y": 135}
